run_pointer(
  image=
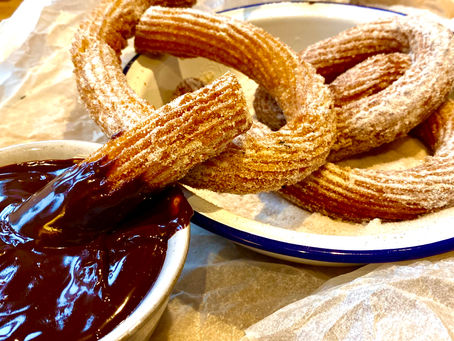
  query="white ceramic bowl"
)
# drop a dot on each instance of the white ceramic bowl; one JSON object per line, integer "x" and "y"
{"x": 142, "y": 321}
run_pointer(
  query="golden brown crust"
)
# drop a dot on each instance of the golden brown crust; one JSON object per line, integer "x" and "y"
{"x": 160, "y": 145}
{"x": 95, "y": 54}
{"x": 369, "y": 77}
{"x": 364, "y": 79}
{"x": 364, "y": 194}
{"x": 191, "y": 129}
{"x": 94, "y": 195}
{"x": 259, "y": 160}
{"x": 393, "y": 112}
{"x": 380, "y": 118}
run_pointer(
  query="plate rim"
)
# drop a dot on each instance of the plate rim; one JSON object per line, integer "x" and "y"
{"x": 326, "y": 255}
{"x": 308, "y": 2}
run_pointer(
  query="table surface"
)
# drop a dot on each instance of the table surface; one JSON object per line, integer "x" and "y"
{"x": 8, "y": 7}
{"x": 225, "y": 291}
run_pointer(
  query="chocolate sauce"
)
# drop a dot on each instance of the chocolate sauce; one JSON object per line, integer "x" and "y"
{"x": 82, "y": 281}
{"x": 74, "y": 207}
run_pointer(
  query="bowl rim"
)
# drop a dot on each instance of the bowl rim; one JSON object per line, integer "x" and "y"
{"x": 177, "y": 249}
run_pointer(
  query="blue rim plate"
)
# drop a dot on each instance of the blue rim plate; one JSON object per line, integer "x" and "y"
{"x": 315, "y": 255}
{"x": 374, "y": 243}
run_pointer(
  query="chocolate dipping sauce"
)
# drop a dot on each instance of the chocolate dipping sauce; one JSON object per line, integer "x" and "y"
{"x": 77, "y": 285}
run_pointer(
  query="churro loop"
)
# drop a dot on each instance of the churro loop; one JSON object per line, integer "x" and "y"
{"x": 95, "y": 52}
{"x": 259, "y": 160}
{"x": 364, "y": 194}
{"x": 393, "y": 112}
{"x": 169, "y": 140}
{"x": 358, "y": 194}
{"x": 364, "y": 79}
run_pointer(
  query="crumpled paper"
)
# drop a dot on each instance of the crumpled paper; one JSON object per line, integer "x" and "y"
{"x": 226, "y": 292}
{"x": 38, "y": 95}
{"x": 376, "y": 302}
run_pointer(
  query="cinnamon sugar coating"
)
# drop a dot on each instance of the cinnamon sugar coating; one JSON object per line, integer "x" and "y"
{"x": 190, "y": 129}
{"x": 364, "y": 194}
{"x": 95, "y": 53}
{"x": 381, "y": 118}
{"x": 364, "y": 79}
{"x": 159, "y": 145}
{"x": 393, "y": 112}
{"x": 368, "y": 78}
{"x": 260, "y": 160}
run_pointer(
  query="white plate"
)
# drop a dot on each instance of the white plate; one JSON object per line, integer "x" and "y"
{"x": 261, "y": 222}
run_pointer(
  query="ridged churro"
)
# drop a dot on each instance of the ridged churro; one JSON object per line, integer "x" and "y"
{"x": 380, "y": 118}
{"x": 163, "y": 147}
{"x": 156, "y": 152}
{"x": 393, "y": 112}
{"x": 364, "y": 194}
{"x": 259, "y": 160}
{"x": 385, "y": 78}
{"x": 364, "y": 79}
{"x": 95, "y": 52}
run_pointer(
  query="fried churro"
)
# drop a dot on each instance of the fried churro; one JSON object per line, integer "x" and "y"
{"x": 260, "y": 160}
{"x": 389, "y": 114}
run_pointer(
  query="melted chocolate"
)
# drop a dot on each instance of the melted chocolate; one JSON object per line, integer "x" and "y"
{"x": 90, "y": 274}
{"x": 74, "y": 207}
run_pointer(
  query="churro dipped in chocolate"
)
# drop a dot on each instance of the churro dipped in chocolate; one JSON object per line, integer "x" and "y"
{"x": 155, "y": 152}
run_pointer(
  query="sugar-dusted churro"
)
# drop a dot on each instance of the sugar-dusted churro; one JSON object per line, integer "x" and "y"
{"x": 384, "y": 116}
{"x": 157, "y": 151}
{"x": 259, "y": 160}
{"x": 95, "y": 52}
{"x": 364, "y": 79}
{"x": 364, "y": 194}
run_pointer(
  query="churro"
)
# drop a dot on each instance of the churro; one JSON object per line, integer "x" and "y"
{"x": 260, "y": 160}
{"x": 156, "y": 152}
{"x": 364, "y": 79}
{"x": 364, "y": 194}
{"x": 389, "y": 114}
{"x": 95, "y": 53}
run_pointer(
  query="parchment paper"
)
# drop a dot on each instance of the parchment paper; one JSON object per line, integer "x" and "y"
{"x": 226, "y": 292}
